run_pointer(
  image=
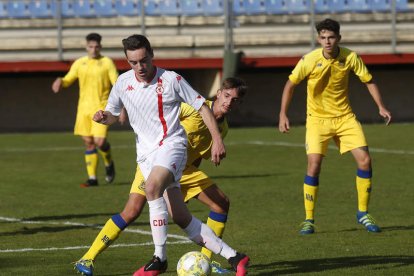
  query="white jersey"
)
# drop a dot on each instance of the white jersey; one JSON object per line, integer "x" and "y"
{"x": 153, "y": 108}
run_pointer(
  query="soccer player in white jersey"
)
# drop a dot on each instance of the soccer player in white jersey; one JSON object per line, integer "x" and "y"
{"x": 152, "y": 98}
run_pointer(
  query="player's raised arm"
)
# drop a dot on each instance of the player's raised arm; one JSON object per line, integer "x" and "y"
{"x": 218, "y": 151}
{"x": 105, "y": 117}
{"x": 287, "y": 94}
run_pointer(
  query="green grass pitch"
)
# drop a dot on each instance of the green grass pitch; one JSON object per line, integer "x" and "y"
{"x": 47, "y": 221}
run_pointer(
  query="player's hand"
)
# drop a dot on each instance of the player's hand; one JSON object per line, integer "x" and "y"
{"x": 284, "y": 124}
{"x": 386, "y": 115}
{"x": 218, "y": 152}
{"x": 100, "y": 117}
{"x": 56, "y": 85}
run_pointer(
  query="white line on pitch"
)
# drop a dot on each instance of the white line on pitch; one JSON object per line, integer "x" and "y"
{"x": 299, "y": 145}
{"x": 86, "y": 225}
{"x": 84, "y": 247}
{"x": 259, "y": 143}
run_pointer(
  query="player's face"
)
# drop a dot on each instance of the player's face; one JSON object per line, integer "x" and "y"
{"x": 93, "y": 48}
{"x": 329, "y": 42}
{"x": 141, "y": 62}
{"x": 227, "y": 99}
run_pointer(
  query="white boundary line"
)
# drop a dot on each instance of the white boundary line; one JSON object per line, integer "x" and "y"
{"x": 254, "y": 142}
{"x": 181, "y": 239}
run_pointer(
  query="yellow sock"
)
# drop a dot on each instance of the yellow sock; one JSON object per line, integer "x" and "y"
{"x": 363, "y": 185}
{"x": 91, "y": 160}
{"x": 310, "y": 192}
{"x": 106, "y": 155}
{"x": 109, "y": 233}
{"x": 217, "y": 223}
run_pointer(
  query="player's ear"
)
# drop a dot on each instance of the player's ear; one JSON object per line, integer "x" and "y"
{"x": 339, "y": 37}
{"x": 218, "y": 92}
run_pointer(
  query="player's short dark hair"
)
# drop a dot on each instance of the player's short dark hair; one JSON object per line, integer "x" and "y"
{"x": 236, "y": 83}
{"x": 135, "y": 42}
{"x": 328, "y": 24}
{"x": 94, "y": 37}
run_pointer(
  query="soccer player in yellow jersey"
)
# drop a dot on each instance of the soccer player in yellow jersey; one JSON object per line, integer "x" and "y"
{"x": 194, "y": 183}
{"x": 329, "y": 116}
{"x": 96, "y": 75}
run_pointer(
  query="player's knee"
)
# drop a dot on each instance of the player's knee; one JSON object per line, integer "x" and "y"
{"x": 181, "y": 221}
{"x": 223, "y": 206}
{"x": 102, "y": 144}
{"x": 365, "y": 163}
{"x": 130, "y": 214}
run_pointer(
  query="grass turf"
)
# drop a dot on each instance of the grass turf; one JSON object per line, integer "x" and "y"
{"x": 47, "y": 221}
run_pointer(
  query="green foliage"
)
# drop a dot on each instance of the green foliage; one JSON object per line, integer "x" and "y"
{"x": 263, "y": 176}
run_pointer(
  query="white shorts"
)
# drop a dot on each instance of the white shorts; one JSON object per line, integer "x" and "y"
{"x": 172, "y": 156}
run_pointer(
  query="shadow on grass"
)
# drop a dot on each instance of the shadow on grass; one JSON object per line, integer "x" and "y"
{"x": 66, "y": 217}
{"x": 247, "y": 176}
{"x": 386, "y": 228}
{"x": 326, "y": 265}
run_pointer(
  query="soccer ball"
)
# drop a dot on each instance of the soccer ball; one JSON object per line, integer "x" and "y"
{"x": 194, "y": 263}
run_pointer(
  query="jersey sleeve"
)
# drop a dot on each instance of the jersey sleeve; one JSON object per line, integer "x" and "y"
{"x": 301, "y": 71}
{"x": 114, "y": 104}
{"x": 187, "y": 94}
{"x": 360, "y": 69}
{"x": 72, "y": 75}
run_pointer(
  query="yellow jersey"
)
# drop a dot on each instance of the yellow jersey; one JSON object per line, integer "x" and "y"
{"x": 96, "y": 76}
{"x": 327, "y": 81}
{"x": 198, "y": 135}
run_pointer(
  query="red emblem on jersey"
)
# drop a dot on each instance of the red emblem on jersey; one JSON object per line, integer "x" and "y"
{"x": 159, "y": 88}
{"x": 130, "y": 88}
{"x": 178, "y": 78}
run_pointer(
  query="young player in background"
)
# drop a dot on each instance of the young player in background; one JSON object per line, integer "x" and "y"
{"x": 152, "y": 97}
{"x": 96, "y": 75}
{"x": 329, "y": 116}
{"x": 194, "y": 182}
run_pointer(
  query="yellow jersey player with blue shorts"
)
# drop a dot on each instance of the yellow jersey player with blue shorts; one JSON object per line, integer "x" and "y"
{"x": 194, "y": 182}
{"x": 96, "y": 75}
{"x": 329, "y": 116}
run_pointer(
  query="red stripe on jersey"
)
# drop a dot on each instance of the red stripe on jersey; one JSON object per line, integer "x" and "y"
{"x": 161, "y": 112}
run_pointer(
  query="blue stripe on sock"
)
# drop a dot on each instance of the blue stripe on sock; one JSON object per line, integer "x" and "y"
{"x": 364, "y": 174}
{"x": 119, "y": 221}
{"x": 91, "y": 151}
{"x": 311, "y": 180}
{"x": 218, "y": 217}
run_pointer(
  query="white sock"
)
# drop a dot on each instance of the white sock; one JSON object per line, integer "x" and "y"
{"x": 159, "y": 226}
{"x": 201, "y": 234}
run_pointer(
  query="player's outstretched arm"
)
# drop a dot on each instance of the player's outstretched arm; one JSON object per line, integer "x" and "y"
{"x": 376, "y": 95}
{"x": 287, "y": 94}
{"x": 104, "y": 117}
{"x": 218, "y": 151}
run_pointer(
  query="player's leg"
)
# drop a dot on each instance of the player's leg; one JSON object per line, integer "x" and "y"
{"x": 91, "y": 161}
{"x": 99, "y": 133}
{"x": 352, "y": 138}
{"x": 363, "y": 185}
{"x": 201, "y": 234}
{"x": 310, "y": 192}
{"x": 318, "y": 134}
{"x": 196, "y": 184}
{"x": 157, "y": 181}
{"x": 115, "y": 225}
{"x": 83, "y": 128}
{"x": 219, "y": 205}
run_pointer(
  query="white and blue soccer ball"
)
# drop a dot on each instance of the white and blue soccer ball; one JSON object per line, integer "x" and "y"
{"x": 194, "y": 263}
